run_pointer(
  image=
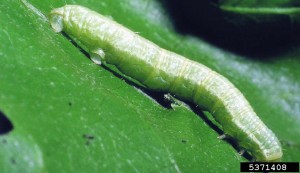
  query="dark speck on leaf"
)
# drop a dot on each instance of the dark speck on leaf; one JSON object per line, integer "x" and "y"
{"x": 183, "y": 141}
{"x": 13, "y": 161}
{"x": 88, "y": 136}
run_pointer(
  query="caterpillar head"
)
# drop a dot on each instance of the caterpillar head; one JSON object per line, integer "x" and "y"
{"x": 59, "y": 16}
{"x": 56, "y": 19}
{"x": 72, "y": 20}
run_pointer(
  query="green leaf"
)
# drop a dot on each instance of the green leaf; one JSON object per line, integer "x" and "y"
{"x": 70, "y": 115}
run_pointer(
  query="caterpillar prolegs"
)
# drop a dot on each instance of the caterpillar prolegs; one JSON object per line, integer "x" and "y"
{"x": 162, "y": 70}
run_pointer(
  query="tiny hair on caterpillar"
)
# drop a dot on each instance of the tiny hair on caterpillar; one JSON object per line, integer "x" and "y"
{"x": 162, "y": 70}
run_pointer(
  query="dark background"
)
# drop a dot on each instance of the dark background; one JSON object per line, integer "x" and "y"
{"x": 252, "y": 35}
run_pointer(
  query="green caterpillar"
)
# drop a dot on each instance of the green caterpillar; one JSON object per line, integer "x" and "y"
{"x": 162, "y": 70}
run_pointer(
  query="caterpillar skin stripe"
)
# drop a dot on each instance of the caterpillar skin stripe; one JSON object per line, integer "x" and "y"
{"x": 159, "y": 69}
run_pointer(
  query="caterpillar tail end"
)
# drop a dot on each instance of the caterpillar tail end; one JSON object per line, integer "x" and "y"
{"x": 56, "y": 19}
